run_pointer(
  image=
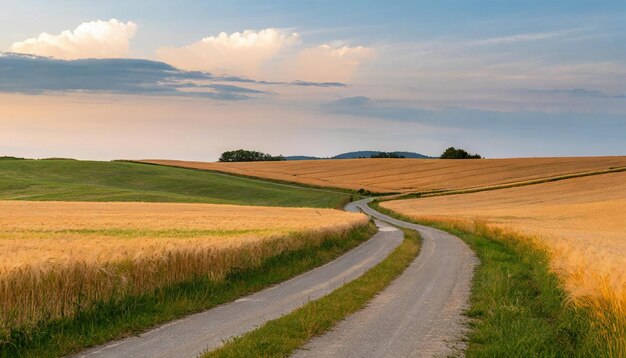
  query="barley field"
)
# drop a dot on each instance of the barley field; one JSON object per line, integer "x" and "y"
{"x": 409, "y": 175}
{"x": 57, "y": 258}
{"x": 581, "y": 221}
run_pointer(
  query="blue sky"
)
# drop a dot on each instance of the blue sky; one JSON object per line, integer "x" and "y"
{"x": 179, "y": 22}
{"x": 527, "y": 78}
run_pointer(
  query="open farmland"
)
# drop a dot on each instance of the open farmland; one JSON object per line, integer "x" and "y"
{"x": 73, "y": 180}
{"x": 409, "y": 175}
{"x": 61, "y": 257}
{"x": 582, "y": 222}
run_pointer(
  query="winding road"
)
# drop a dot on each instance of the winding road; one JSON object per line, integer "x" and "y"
{"x": 419, "y": 314}
{"x": 197, "y": 333}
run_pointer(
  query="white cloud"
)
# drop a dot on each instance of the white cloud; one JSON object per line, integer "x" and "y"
{"x": 245, "y": 53}
{"x": 240, "y": 53}
{"x": 95, "y": 39}
{"x": 327, "y": 63}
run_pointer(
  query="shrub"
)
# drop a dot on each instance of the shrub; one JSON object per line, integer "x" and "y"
{"x": 241, "y": 155}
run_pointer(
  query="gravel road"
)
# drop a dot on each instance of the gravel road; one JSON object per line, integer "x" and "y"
{"x": 419, "y": 314}
{"x": 194, "y": 334}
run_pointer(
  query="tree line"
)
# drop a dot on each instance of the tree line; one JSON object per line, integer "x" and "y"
{"x": 242, "y": 155}
{"x": 454, "y": 153}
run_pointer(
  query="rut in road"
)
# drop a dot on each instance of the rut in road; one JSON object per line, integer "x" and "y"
{"x": 419, "y": 315}
{"x": 195, "y": 334}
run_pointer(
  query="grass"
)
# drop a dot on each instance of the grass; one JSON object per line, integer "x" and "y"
{"x": 280, "y": 337}
{"x": 118, "y": 318}
{"x": 73, "y": 180}
{"x": 518, "y": 306}
{"x": 290, "y": 183}
{"x": 8, "y": 157}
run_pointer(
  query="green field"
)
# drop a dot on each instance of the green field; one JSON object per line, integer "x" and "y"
{"x": 73, "y": 180}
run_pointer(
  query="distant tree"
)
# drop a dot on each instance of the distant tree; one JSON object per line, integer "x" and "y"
{"x": 241, "y": 155}
{"x": 386, "y": 155}
{"x": 453, "y": 153}
{"x": 364, "y": 192}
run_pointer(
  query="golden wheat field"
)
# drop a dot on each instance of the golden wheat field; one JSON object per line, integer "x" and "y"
{"x": 57, "y": 256}
{"x": 409, "y": 175}
{"x": 582, "y": 222}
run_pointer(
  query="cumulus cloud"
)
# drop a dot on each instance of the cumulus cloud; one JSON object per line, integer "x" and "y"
{"x": 326, "y": 62}
{"x": 95, "y": 39}
{"x": 245, "y": 53}
{"x": 242, "y": 53}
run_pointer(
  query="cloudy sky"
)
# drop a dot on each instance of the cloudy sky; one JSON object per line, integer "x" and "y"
{"x": 190, "y": 79}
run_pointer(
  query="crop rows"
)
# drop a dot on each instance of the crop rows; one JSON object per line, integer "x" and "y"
{"x": 60, "y": 258}
{"x": 409, "y": 175}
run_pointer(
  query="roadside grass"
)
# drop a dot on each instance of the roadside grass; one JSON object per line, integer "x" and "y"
{"x": 280, "y": 337}
{"x": 74, "y": 180}
{"x": 120, "y": 318}
{"x": 518, "y": 306}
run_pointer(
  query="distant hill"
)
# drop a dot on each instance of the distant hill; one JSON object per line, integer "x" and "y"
{"x": 359, "y": 154}
{"x": 300, "y": 157}
{"x": 369, "y": 153}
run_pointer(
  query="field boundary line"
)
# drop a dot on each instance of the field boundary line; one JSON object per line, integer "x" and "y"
{"x": 285, "y": 183}
{"x": 502, "y": 186}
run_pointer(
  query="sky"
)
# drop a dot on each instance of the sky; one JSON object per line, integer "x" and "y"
{"x": 191, "y": 79}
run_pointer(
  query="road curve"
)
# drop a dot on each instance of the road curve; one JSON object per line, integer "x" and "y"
{"x": 419, "y": 315}
{"x": 197, "y": 333}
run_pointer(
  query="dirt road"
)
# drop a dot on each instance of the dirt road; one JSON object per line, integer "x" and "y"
{"x": 200, "y": 332}
{"x": 419, "y": 315}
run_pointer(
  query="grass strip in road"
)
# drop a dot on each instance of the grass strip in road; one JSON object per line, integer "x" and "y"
{"x": 117, "y": 319}
{"x": 280, "y": 337}
{"x": 518, "y": 306}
